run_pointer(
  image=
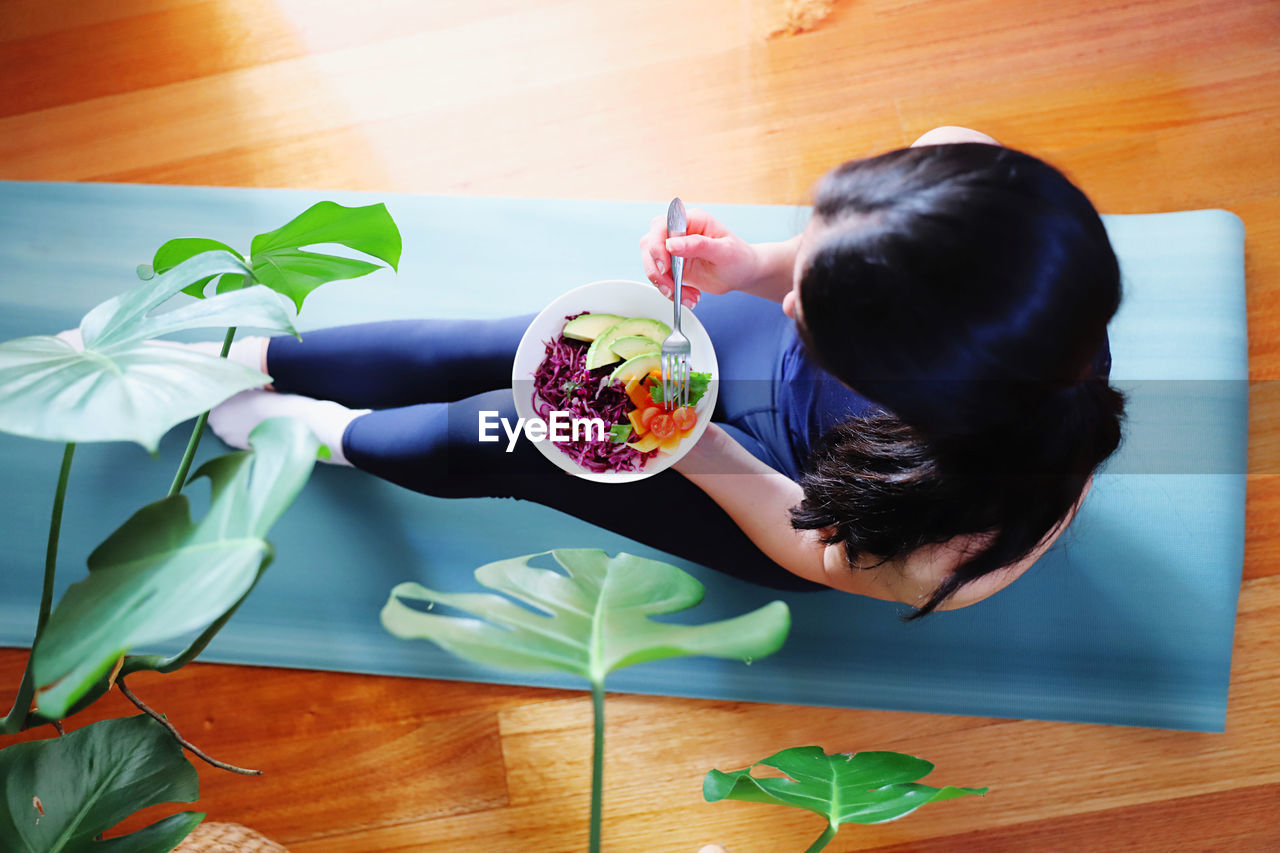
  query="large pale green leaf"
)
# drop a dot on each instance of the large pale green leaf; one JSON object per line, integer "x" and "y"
{"x": 590, "y": 622}
{"x": 57, "y": 795}
{"x": 865, "y": 787}
{"x": 120, "y": 388}
{"x": 161, "y": 575}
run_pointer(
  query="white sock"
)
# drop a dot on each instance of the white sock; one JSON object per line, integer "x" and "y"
{"x": 235, "y": 418}
{"x": 249, "y": 352}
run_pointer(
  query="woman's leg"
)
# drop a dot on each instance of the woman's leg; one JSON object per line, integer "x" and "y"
{"x": 397, "y": 362}
{"x": 433, "y": 448}
{"x": 403, "y": 362}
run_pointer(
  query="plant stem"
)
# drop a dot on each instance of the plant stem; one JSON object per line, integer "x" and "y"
{"x": 597, "y": 763}
{"x": 21, "y": 704}
{"x": 55, "y": 529}
{"x": 195, "y": 750}
{"x": 26, "y": 689}
{"x": 198, "y": 430}
{"x": 824, "y": 839}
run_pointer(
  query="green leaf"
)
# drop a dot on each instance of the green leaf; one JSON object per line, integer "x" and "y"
{"x": 590, "y": 623}
{"x": 119, "y": 388}
{"x": 176, "y": 251}
{"x": 296, "y": 273}
{"x": 278, "y": 262}
{"x": 867, "y": 787}
{"x": 620, "y": 433}
{"x": 88, "y": 781}
{"x": 698, "y": 383}
{"x": 161, "y": 575}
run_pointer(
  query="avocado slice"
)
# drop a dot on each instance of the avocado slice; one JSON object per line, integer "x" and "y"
{"x": 600, "y": 353}
{"x": 637, "y": 368}
{"x": 634, "y": 345}
{"x": 587, "y": 327}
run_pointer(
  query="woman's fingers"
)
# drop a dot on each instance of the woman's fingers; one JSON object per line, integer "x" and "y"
{"x": 701, "y": 222}
{"x": 709, "y": 249}
{"x": 701, "y": 243}
{"x": 653, "y": 255}
{"x": 689, "y": 295}
{"x": 651, "y": 272}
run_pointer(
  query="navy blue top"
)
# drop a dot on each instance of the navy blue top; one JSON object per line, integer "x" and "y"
{"x": 773, "y": 399}
{"x": 812, "y": 401}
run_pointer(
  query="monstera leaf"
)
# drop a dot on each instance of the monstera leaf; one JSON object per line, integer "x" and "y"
{"x": 57, "y": 795}
{"x": 161, "y": 575}
{"x": 865, "y": 787}
{"x": 591, "y": 622}
{"x": 278, "y": 261}
{"x": 176, "y": 251}
{"x": 119, "y": 388}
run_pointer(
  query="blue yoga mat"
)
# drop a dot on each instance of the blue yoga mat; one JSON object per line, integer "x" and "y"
{"x": 1127, "y": 620}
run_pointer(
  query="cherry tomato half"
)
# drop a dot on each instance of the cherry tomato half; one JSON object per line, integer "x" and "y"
{"x": 685, "y": 418}
{"x": 662, "y": 426}
{"x": 647, "y": 416}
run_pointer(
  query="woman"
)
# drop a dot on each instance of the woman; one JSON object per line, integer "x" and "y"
{"x": 963, "y": 290}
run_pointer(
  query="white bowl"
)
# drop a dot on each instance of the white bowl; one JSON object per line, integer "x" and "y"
{"x": 626, "y": 299}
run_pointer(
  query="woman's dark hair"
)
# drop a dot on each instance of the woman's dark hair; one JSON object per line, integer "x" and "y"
{"x": 966, "y": 290}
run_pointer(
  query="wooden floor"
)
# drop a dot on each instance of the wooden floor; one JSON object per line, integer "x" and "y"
{"x": 1151, "y": 105}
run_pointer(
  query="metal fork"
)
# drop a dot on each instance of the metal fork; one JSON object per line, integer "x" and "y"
{"x": 675, "y": 349}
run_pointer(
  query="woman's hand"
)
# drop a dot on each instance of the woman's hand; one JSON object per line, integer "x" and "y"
{"x": 716, "y": 260}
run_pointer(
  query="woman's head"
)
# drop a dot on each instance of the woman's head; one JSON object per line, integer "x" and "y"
{"x": 966, "y": 289}
{"x": 971, "y": 273}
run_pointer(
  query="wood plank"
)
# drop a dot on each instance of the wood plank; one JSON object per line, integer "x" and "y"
{"x": 685, "y": 741}
{"x": 100, "y": 57}
{"x": 669, "y": 744}
{"x": 1240, "y": 820}
{"x": 21, "y": 19}
{"x": 319, "y": 749}
{"x": 339, "y": 88}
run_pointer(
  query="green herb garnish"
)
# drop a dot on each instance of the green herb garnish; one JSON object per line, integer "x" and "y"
{"x": 697, "y": 387}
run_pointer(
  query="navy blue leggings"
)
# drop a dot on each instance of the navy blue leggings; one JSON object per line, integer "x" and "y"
{"x": 428, "y": 380}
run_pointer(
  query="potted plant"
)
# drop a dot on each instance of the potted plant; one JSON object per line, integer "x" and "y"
{"x": 161, "y": 575}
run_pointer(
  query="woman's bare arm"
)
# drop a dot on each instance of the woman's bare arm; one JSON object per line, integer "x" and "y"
{"x": 758, "y": 499}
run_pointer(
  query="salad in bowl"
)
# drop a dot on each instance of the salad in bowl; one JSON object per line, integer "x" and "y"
{"x": 589, "y": 369}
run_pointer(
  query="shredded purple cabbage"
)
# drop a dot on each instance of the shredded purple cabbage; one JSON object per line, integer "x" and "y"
{"x": 563, "y": 383}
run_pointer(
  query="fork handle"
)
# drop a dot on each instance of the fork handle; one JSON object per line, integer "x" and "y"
{"x": 677, "y": 276}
